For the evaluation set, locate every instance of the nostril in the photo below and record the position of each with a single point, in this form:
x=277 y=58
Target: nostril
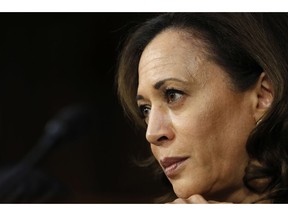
x=162 y=138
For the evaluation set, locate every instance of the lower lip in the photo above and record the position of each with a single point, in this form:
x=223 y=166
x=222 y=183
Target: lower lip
x=174 y=169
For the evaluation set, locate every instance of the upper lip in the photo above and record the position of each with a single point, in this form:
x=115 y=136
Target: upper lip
x=168 y=161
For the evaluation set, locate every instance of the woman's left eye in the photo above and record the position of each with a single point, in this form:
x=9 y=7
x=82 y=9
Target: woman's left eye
x=173 y=95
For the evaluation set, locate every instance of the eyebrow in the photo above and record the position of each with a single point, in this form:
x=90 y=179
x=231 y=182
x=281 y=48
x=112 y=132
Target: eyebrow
x=158 y=85
x=161 y=82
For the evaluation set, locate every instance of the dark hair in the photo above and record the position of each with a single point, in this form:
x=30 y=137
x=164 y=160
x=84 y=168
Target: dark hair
x=244 y=44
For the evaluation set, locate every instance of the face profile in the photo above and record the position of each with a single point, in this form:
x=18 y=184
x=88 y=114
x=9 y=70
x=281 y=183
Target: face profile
x=182 y=96
x=205 y=106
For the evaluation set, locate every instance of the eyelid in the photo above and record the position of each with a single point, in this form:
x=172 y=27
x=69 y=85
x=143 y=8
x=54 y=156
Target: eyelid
x=173 y=90
x=141 y=108
x=169 y=91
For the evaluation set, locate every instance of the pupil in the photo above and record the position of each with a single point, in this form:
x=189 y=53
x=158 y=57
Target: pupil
x=171 y=96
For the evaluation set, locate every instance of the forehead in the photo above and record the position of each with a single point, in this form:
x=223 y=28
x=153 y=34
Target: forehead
x=171 y=52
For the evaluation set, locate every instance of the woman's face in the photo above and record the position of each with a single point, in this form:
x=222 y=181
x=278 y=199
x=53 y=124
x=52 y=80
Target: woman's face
x=196 y=124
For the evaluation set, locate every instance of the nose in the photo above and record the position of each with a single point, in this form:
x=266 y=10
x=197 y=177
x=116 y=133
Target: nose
x=159 y=129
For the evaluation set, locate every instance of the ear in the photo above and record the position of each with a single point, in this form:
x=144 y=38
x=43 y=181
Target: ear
x=264 y=95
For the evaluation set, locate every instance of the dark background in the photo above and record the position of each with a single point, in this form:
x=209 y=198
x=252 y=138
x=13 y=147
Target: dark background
x=49 y=61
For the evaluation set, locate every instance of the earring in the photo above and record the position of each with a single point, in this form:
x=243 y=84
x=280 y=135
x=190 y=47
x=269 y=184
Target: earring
x=258 y=121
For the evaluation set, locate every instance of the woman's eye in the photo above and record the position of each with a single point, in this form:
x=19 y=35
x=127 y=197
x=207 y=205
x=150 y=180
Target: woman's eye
x=144 y=110
x=173 y=95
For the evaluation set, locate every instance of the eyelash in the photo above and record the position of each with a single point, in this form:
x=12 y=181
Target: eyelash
x=143 y=109
x=167 y=94
x=172 y=91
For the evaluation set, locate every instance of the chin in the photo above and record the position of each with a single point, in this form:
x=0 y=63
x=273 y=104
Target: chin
x=186 y=189
x=185 y=192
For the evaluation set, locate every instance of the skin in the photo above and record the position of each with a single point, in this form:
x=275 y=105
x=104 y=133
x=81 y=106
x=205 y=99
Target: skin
x=201 y=118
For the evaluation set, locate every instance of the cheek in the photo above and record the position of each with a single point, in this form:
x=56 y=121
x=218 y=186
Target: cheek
x=201 y=121
x=212 y=128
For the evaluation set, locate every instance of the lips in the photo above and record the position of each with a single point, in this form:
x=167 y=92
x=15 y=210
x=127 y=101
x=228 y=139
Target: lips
x=172 y=165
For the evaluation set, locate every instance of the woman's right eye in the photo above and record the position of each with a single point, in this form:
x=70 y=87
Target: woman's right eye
x=144 y=111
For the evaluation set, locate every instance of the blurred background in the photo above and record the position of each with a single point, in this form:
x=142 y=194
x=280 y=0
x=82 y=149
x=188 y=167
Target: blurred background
x=55 y=61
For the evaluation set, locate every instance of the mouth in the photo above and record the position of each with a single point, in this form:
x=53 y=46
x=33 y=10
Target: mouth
x=172 y=165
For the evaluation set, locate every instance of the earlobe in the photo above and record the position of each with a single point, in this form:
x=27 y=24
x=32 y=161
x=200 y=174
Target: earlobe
x=264 y=96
